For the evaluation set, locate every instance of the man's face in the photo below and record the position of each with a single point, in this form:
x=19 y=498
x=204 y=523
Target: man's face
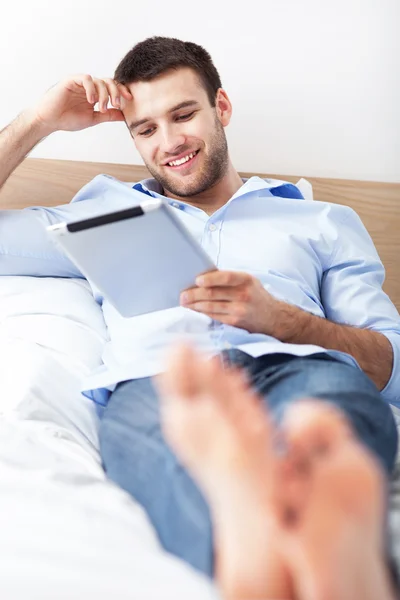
x=171 y=121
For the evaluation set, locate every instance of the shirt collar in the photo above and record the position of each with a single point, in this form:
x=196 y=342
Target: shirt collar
x=251 y=184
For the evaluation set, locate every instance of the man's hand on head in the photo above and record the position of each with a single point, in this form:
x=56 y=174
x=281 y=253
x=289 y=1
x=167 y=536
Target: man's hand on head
x=233 y=298
x=70 y=104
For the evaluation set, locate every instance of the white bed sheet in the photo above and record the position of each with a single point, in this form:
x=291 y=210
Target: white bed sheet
x=66 y=532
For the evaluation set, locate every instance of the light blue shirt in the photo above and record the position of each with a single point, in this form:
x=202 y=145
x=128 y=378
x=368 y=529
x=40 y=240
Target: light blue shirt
x=315 y=255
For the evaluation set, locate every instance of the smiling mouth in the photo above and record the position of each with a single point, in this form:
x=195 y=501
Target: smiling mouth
x=183 y=162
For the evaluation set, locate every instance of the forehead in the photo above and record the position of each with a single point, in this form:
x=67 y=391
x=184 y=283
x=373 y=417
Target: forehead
x=152 y=99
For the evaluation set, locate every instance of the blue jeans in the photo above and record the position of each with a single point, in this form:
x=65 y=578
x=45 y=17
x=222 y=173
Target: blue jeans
x=136 y=456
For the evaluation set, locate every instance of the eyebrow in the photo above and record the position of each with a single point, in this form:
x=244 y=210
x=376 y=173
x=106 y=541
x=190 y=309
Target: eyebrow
x=186 y=104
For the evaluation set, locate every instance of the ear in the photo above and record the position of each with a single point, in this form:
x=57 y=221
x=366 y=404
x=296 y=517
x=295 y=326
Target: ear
x=223 y=107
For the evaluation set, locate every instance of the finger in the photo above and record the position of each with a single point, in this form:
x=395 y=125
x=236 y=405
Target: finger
x=124 y=91
x=86 y=81
x=114 y=92
x=217 y=308
x=225 y=318
x=103 y=94
x=197 y=294
x=112 y=114
x=222 y=278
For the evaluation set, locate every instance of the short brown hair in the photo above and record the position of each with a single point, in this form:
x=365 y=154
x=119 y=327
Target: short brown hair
x=156 y=55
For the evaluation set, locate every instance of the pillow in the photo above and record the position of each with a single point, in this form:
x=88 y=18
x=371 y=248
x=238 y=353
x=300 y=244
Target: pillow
x=306 y=188
x=56 y=313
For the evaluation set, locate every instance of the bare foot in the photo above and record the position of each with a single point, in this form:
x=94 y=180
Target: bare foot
x=313 y=520
x=218 y=428
x=334 y=543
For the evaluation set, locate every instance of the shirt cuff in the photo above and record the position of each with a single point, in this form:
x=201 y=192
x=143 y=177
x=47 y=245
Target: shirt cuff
x=391 y=391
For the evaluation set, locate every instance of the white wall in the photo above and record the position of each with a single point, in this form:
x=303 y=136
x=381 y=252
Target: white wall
x=315 y=84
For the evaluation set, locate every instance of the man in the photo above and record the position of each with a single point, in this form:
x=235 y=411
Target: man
x=296 y=301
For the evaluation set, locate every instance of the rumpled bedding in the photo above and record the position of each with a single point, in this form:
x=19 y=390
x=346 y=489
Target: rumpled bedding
x=66 y=532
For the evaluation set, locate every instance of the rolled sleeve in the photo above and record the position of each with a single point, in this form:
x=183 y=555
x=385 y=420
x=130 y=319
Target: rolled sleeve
x=351 y=289
x=391 y=391
x=27 y=249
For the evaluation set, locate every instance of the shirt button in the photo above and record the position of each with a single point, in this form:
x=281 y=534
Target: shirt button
x=212 y=227
x=175 y=205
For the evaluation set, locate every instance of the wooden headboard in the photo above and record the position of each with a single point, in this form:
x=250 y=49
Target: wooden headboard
x=48 y=182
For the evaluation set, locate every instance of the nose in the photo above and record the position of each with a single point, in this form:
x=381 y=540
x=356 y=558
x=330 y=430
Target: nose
x=171 y=141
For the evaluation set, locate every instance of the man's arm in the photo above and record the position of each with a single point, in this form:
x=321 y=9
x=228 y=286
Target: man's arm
x=252 y=308
x=16 y=141
x=25 y=247
x=371 y=349
x=360 y=318
x=67 y=106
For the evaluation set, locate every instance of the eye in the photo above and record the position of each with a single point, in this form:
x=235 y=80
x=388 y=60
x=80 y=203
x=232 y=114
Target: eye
x=185 y=117
x=147 y=132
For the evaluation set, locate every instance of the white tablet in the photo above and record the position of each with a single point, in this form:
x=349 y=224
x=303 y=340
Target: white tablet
x=140 y=258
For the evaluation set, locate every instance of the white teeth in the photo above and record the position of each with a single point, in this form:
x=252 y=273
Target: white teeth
x=176 y=163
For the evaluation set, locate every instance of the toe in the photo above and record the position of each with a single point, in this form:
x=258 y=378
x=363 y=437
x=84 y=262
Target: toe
x=315 y=427
x=231 y=389
x=342 y=471
x=183 y=375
